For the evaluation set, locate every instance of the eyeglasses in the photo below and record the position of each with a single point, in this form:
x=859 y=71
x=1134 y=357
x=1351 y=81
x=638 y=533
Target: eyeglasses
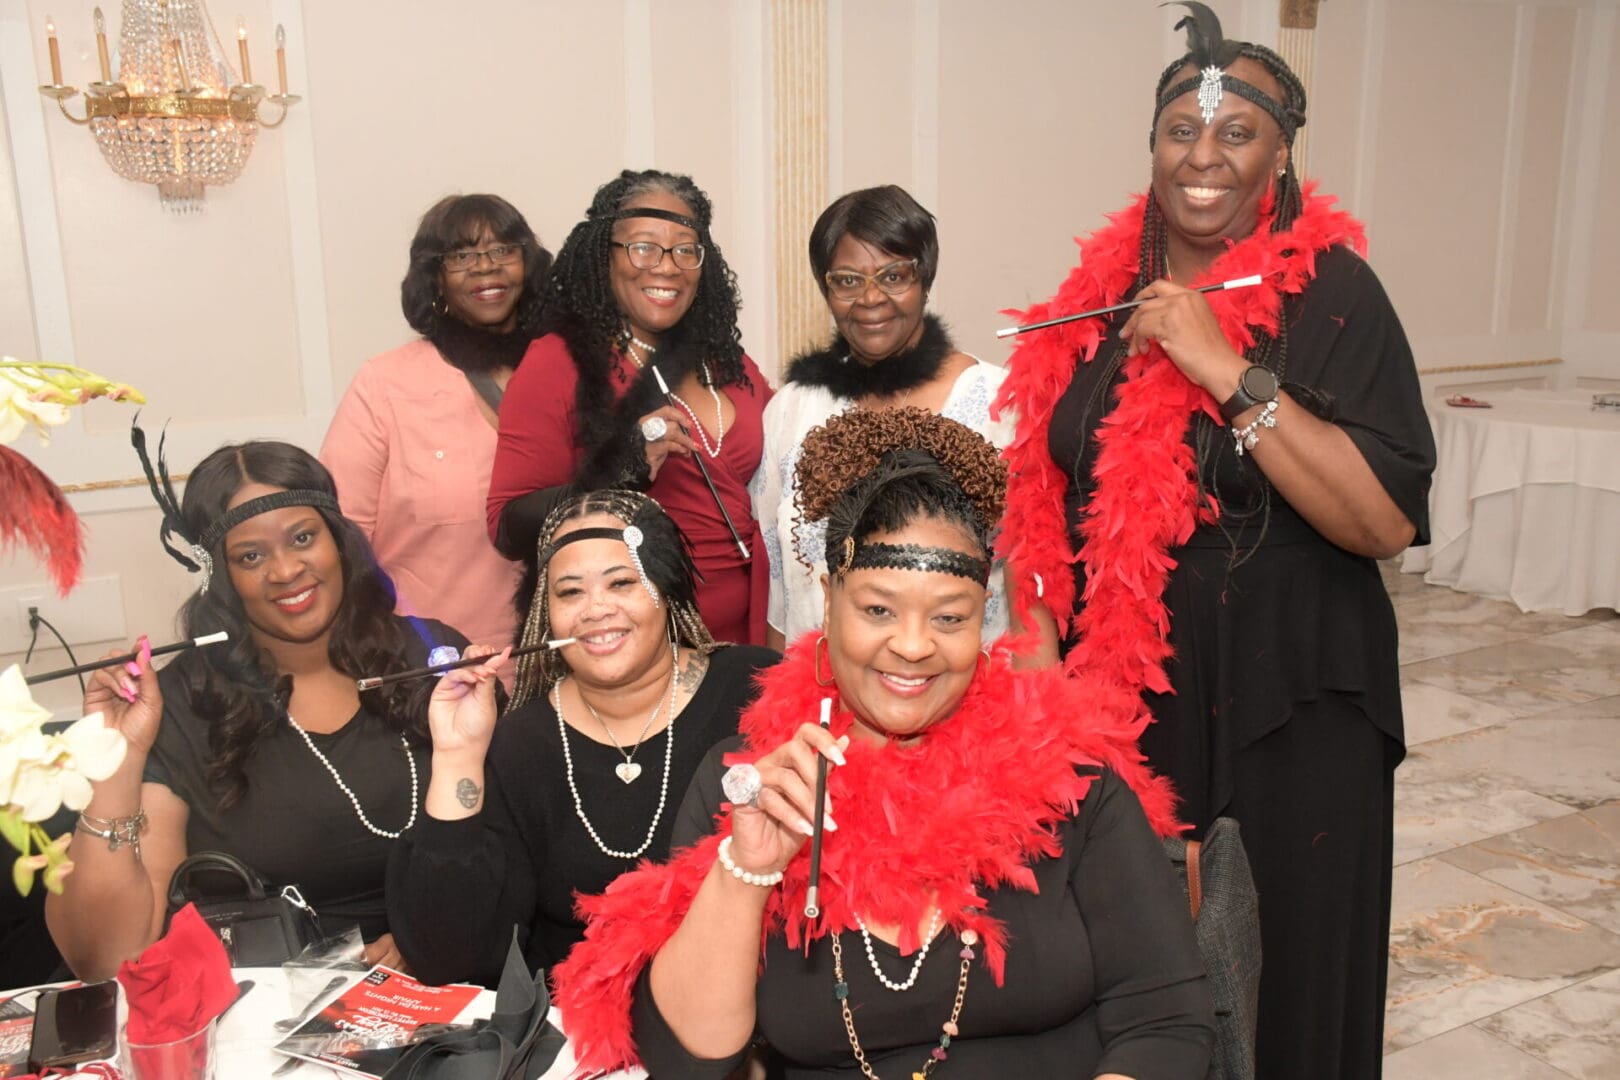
x=644 y=254
x=499 y=255
x=893 y=279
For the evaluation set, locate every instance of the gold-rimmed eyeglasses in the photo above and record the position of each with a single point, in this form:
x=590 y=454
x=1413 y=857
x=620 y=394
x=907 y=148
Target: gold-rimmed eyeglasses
x=499 y=255
x=893 y=279
x=644 y=254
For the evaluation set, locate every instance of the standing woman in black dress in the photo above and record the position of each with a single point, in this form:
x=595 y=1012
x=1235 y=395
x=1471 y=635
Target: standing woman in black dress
x=1228 y=467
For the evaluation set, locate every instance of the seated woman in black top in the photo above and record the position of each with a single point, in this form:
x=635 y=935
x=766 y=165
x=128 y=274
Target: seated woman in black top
x=263 y=747
x=582 y=776
x=965 y=798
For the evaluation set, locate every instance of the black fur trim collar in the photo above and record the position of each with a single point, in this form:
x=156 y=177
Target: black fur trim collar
x=840 y=373
x=474 y=350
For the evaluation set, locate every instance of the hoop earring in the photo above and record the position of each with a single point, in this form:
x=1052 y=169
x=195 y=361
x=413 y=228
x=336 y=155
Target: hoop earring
x=982 y=663
x=815 y=661
x=441 y=306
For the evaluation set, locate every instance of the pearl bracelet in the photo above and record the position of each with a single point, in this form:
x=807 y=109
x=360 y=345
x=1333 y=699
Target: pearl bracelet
x=762 y=880
x=1246 y=438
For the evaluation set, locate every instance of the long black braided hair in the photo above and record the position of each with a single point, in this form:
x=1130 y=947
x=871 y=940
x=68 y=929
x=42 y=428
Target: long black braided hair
x=577 y=303
x=1207 y=47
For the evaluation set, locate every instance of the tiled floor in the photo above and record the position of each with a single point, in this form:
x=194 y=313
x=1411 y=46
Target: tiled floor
x=1505 y=944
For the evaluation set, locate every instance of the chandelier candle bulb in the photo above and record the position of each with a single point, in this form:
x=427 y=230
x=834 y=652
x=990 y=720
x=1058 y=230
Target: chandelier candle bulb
x=117 y=661
x=55 y=50
x=281 y=59
x=242 y=50
x=101 y=46
x=812 y=894
x=1219 y=286
x=371 y=682
x=697 y=459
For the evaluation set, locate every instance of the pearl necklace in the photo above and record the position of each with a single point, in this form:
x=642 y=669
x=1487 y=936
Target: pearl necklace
x=916 y=965
x=713 y=450
x=643 y=346
x=663 y=788
x=355 y=802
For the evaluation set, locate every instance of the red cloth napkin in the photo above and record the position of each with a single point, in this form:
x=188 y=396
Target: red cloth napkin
x=180 y=983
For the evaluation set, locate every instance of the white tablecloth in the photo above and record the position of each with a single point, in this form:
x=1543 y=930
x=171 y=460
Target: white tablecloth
x=1526 y=502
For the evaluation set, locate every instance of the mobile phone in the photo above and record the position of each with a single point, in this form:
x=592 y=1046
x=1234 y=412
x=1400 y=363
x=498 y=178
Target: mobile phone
x=75 y=1025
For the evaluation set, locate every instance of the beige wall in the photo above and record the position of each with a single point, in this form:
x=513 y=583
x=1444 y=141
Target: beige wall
x=1481 y=169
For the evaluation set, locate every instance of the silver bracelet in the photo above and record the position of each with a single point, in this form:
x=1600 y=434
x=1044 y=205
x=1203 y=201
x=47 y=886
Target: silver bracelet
x=118 y=832
x=1248 y=437
x=762 y=880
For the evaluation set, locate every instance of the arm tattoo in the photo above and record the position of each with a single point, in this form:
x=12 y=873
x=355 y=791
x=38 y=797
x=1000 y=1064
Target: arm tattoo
x=697 y=665
x=467 y=793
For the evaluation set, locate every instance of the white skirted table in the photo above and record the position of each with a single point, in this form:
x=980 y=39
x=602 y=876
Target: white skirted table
x=1526 y=502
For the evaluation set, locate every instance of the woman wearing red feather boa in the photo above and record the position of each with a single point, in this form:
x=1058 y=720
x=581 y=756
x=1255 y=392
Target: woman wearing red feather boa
x=988 y=837
x=1202 y=488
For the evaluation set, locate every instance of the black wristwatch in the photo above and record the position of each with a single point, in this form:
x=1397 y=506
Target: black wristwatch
x=1256 y=386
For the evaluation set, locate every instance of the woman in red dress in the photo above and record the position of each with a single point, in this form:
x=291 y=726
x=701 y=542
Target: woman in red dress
x=640 y=285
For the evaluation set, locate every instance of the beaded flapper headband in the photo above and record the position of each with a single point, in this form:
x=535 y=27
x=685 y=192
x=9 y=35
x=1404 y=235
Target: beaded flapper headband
x=632 y=538
x=1208 y=48
x=195 y=552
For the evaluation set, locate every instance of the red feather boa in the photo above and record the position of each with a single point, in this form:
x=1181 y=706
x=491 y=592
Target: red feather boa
x=35 y=513
x=1146 y=500
x=966 y=808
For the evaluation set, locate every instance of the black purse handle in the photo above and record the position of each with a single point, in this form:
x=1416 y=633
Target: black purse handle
x=212 y=862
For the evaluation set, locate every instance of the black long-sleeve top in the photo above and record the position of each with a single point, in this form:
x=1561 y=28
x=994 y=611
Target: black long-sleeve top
x=1103 y=972
x=457 y=888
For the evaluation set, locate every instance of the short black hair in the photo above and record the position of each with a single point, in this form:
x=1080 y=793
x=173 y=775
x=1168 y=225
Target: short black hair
x=456 y=221
x=886 y=217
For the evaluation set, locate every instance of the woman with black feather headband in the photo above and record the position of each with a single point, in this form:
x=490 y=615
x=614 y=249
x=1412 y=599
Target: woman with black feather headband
x=640 y=284
x=262 y=747
x=1202 y=488
x=874 y=254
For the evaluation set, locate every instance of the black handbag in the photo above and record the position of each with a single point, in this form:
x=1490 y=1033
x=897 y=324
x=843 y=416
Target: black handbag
x=258 y=927
x=517 y=1042
x=1226 y=919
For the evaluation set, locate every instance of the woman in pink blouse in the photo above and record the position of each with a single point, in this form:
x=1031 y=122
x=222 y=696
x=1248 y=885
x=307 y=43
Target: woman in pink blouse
x=413 y=440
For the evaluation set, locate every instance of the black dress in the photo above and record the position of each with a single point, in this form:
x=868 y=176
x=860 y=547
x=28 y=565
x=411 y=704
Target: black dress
x=1286 y=711
x=1102 y=972
x=293 y=825
x=457 y=888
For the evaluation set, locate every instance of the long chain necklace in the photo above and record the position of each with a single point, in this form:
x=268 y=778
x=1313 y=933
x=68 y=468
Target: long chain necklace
x=712 y=449
x=629 y=770
x=663 y=789
x=948 y=1030
x=916 y=965
x=353 y=800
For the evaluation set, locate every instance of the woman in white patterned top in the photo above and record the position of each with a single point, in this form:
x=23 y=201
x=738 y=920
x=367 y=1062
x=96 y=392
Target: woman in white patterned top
x=874 y=254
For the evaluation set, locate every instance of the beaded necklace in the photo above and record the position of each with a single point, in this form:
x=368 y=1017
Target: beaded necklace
x=353 y=800
x=713 y=450
x=948 y=1030
x=663 y=787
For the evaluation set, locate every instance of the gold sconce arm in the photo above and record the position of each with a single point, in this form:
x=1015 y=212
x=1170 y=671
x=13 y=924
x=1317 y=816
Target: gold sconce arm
x=61 y=94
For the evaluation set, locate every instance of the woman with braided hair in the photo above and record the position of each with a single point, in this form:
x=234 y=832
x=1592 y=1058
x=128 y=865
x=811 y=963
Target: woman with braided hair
x=1203 y=487
x=582 y=775
x=992 y=899
x=640 y=285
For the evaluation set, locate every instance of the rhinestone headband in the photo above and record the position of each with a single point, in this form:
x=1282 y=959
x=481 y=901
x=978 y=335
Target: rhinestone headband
x=632 y=538
x=934 y=560
x=1211 y=83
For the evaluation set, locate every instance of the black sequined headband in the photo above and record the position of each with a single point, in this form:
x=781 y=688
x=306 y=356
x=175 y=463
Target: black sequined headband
x=1211 y=81
x=929 y=560
x=276 y=500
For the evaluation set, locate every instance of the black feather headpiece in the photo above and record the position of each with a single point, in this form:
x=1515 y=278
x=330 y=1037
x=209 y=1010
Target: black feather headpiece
x=188 y=552
x=1211 y=52
x=1206 y=44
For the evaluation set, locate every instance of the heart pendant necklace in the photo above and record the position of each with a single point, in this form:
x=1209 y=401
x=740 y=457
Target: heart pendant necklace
x=628 y=770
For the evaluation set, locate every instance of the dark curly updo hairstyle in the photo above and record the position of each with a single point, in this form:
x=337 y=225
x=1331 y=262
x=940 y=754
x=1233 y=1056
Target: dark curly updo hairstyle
x=665 y=555
x=879 y=470
x=886 y=217
x=457 y=221
x=236 y=684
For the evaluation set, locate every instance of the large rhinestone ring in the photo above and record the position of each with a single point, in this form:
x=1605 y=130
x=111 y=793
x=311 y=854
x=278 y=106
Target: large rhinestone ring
x=654 y=428
x=741 y=785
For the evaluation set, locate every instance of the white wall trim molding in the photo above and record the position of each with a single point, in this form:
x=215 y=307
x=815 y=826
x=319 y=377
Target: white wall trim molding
x=751 y=92
x=925 y=68
x=1372 y=66
x=639 y=99
x=836 y=185
x=1596 y=29
x=1512 y=166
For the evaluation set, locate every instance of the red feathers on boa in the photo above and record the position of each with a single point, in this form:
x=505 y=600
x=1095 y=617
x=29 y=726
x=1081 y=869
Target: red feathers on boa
x=967 y=808
x=1146 y=500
